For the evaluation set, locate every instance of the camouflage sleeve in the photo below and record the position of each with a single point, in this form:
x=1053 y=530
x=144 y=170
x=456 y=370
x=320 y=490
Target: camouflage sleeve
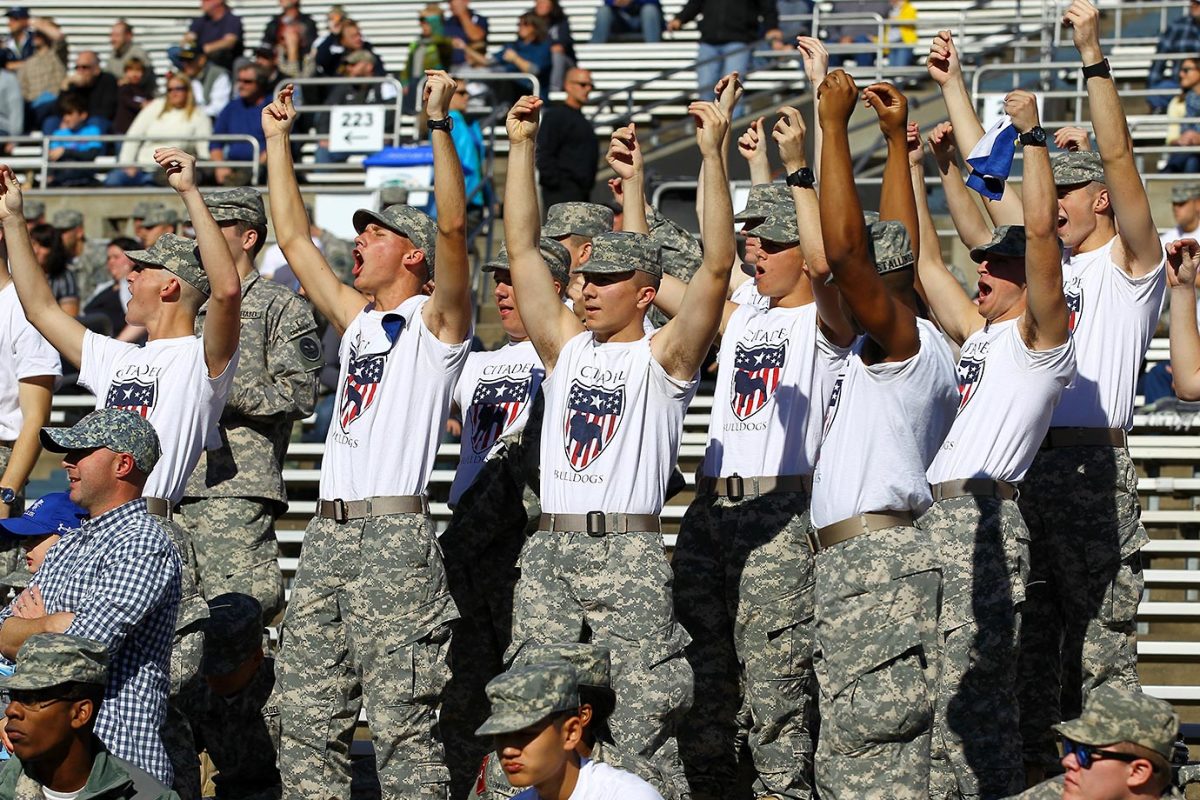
x=294 y=360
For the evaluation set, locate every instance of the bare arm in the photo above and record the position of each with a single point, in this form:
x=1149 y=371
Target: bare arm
x=625 y=158
x=1183 y=256
x=448 y=314
x=728 y=91
x=338 y=302
x=973 y=229
x=16 y=630
x=549 y=323
x=752 y=147
x=896 y=199
x=816 y=68
x=33 y=397
x=1139 y=245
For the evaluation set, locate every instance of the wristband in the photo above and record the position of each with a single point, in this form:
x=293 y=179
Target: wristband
x=802 y=177
x=1098 y=70
x=444 y=124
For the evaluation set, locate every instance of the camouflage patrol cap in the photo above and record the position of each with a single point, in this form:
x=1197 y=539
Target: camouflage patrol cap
x=178 y=255
x=411 y=223
x=1183 y=192
x=890 y=246
x=524 y=696
x=581 y=219
x=591 y=662
x=1008 y=241
x=34 y=209
x=66 y=218
x=243 y=203
x=232 y=634
x=681 y=253
x=1071 y=169
x=623 y=251
x=870 y=217
x=1114 y=714
x=119 y=430
x=554 y=253
x=764 y=200
x=141 y=209
x=780 y=227
x=52 y=659
x=160 y=215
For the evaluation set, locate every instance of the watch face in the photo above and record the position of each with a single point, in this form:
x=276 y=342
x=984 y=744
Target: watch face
x=7 y=496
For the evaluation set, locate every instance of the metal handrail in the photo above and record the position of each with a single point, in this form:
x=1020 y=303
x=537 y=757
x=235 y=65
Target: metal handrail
x=481 y=76
x=1121 y=8
x=47 y=166
x=339 y=81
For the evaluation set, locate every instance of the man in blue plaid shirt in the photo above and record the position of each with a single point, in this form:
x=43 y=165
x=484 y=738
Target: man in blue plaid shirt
x=1180 y=36
x=115 y=580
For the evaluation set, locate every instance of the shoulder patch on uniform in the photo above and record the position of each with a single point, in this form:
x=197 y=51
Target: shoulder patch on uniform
x=310 y=350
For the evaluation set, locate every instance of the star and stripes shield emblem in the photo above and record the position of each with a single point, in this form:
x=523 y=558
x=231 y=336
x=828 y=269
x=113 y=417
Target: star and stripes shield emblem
x=835 y=398
x=970 y=373
x=756 y=372
x=593 y=416
x=362 y=384
x=495 y=405
x=132 y=395
x=1074 y=298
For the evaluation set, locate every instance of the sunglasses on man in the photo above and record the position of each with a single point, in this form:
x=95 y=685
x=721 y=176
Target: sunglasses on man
x=1085 y=754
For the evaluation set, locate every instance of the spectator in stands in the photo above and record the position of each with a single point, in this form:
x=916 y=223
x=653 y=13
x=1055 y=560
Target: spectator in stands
x=124 y=49
x=12 y=104
x=530 y=53
x=628 y=16
x=131 y=95
x=727 y=34
x=794 y=8
x=1185 y=104
x=472 y=152
x=465 y=29
x=431 y=50
x=243 y=115
x=41 y=75
x=52 y=257
x=97 y=88
x=332 y=50
x=43 y=524
x=289 y=58
x=211 y=85
x=85 y=259
x=334 y=18
x=359 y=64
x=175 y=118
x=562 y=45
x=864 y=31
x=567 y=153
x=19 y=42
x=110 y=300
x=901 y=33
x=217 y=33
x=290 y=16
x=74 y=140
x=1181 y=35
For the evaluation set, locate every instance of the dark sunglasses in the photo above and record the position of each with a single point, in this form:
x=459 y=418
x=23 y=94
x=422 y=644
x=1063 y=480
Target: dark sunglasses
x=1085 y=754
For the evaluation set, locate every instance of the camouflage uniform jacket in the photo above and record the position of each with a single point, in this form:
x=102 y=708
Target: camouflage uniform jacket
x=339 y=254
x=275 y=384
x=111 y=778
x=241 y=735
x=91 y=269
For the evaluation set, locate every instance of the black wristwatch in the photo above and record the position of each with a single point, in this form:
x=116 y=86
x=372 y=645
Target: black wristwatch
x=1034 y=137
x=802 y=177
x=1098 y=70
x=444 y=124
x=8 y=496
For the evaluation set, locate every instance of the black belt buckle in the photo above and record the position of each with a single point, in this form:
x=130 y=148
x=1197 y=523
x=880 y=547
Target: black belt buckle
x=734 y=488
x=340 y=514
x=595 y=523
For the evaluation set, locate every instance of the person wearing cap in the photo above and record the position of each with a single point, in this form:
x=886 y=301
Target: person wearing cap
x=40 y=75
x=1016 y=358
x=236 y=491
x=212 y=86
x=536 y=729
x=877 y=580
x=1159 y=381
x=364 y=601
x=157 y=222
x=241 y=115
x=1079 y=497
x=116 y=580
x=575 y=225
x=40 y=528
x=1185 y=207
x=596 y=703
x=54 y=702
x=494 y=503
x=35 y=211
x=232 y=713
x=1120 y=747
x=596 y=562
x=105 y=310
x=87 y=259
x=19 y=42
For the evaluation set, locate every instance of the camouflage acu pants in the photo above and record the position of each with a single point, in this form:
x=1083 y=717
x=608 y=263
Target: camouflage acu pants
x=1085 y=531
x=369 y=616
x=875 y=658
x=614 y=591
x=744 y=591
x=236 y=549
x=983 y=549
x=11 y=558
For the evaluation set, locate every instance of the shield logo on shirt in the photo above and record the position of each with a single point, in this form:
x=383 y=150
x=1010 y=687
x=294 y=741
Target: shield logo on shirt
x=133 y=395
x=1074 y=296
x=361 y=386
x=495 y=405
x=756 y=373
x=970 y=373
x=593 y=416
x=835 y=398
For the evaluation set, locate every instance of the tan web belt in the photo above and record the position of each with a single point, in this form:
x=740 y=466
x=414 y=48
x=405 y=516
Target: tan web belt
x=846 y=529
x=973 y=487
x=598 y=523
x=735 y=487
x=345 y=510
x=158 y=507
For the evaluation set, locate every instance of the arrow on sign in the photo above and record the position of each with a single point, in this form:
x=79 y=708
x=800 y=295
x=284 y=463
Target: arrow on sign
x=351 y=137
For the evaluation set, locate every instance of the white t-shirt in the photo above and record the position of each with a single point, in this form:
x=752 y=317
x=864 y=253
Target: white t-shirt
x=884 y=426
x=613 y=422
x=1007 y=393
x=1113 y=317
x=746 y=294
x=776 y=373
x=1176 y=233
x=273 y=259
x=393 y=398
x=26 y=355
x=167 y=382
x=50 y=794
x=601 y=782
x=495 y=393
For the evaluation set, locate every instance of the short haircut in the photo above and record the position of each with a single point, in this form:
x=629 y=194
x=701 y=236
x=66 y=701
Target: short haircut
x=243 y=226
x=71 y=101
x=125 y=24
x=125 y=243
x=134 y=61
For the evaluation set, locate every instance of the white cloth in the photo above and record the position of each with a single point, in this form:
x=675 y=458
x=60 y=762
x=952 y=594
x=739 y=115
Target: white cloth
x=167 y=382
x=393 y=399
x=26 y=355
x=884 y=426
x=1006 y=395
x=273 y=259
x=50 y=794
x=1113 y=317
x=222 y=90
x=495 y=393
x=776 y=373
x=1176 y=233
x=599 y=781
x=613 y=423
x=170 y=127
x=746 y=293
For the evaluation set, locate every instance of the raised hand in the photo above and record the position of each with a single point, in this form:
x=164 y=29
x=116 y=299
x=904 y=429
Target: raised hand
x=10 y=193
x=729 y=91
x=618 y=190
x=624 y=153
x=1072 y=139
x=916 y=150
x=891 y=105
x=1083 y=19
x=711 y=126
x=750 y=144
x=439 y=91
x=837 y=95
x=816 y=58
x=1183 y=256
x=180 y=168
x=1022 y=107
x=789 y=133
x=279 y=116
x=522 y=119
x=943 y=62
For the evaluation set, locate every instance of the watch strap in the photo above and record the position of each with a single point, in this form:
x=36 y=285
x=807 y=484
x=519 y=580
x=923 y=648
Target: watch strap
x=1034 y=137
x=444 y=124
x=1100 y=69
x=803 y=177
